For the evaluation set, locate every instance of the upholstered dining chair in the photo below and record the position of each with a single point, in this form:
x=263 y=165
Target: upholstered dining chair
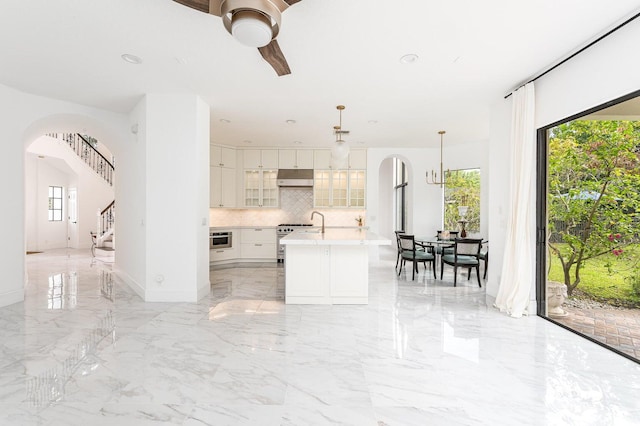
x=415 y=253
x=445 y=235
x=484 y=256
x=399 y=247
x=466 y=254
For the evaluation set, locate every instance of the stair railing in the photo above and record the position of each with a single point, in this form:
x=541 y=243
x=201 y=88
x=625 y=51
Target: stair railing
x=88 y=153
x=106 y=220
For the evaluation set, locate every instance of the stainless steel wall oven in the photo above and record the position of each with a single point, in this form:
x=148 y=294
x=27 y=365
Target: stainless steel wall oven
x=218 y=240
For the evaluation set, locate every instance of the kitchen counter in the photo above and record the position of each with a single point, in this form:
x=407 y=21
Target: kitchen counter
x=329 y=268
x=334 y=236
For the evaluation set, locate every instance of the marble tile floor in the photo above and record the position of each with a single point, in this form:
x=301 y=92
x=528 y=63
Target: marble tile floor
x=83 y=349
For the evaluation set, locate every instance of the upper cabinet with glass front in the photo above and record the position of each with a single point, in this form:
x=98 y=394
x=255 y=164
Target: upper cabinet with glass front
x=343 y=187
x=260 y=188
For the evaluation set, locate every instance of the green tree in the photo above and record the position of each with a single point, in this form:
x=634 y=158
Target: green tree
x=593 y=192
x=462 y=188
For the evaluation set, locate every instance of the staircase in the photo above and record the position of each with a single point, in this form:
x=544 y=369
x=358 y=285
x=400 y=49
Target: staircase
x=85 y=150
x=103 y=240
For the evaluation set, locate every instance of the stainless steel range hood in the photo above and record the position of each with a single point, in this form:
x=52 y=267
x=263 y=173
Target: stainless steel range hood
x=295 y=177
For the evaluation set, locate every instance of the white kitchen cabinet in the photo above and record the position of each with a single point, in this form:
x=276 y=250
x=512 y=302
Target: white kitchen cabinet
x=357 y=188
x=222 y=187
x=260 y=158
x=217 y=255
x=295 y=159
x=322 y=159
x=260 y=188
x=339 y=188
x=221 y=156
x=227 y=253
x=358 y=159
x=258 y=243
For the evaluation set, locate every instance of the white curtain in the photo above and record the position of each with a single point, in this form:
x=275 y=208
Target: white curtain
x=518 y=269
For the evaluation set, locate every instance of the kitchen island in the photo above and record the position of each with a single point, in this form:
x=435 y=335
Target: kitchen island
x=329 y=268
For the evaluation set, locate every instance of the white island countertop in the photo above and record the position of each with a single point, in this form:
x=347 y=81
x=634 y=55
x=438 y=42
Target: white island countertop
x=335 y=237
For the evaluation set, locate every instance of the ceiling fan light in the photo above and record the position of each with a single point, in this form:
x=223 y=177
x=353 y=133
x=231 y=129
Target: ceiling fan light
x=251 y=28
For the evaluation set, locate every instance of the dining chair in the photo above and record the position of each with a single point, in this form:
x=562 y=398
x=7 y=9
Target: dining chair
x=442 y=235
x=466 y=254
x=399 y=247
x=484 y=256
x=415 y=253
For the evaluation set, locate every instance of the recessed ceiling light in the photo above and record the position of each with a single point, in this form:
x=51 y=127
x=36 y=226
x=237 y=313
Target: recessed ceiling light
x=132 y=59
x=181 y=61
x=409 y=58
x=40 y=156
x=297 y=142
x=247 y=142
x=291 y=121
x=373 y=121
x=360 y=143
x=225 y=121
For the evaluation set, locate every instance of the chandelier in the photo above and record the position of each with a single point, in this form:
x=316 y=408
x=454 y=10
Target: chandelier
x=340 y=150
x=434 y=175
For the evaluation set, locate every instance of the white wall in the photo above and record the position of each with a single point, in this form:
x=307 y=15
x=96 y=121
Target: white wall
x=41 y=233
x=603 y=72
x=177 y=198
x=386 y=216
x=162 y=208
x=25 y=117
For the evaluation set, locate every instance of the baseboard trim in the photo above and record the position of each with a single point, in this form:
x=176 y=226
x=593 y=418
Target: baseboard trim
x=11 y=297
x=204 y=290
x=128 y=280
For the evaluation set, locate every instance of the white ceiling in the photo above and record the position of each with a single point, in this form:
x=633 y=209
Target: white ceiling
x=471 y=53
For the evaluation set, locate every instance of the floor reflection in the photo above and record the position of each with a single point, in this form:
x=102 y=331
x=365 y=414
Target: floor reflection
x=49 y=386
x=63 y=291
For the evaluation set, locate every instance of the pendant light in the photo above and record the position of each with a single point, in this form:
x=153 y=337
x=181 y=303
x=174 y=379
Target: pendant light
x=340 y=150
x=434 y=175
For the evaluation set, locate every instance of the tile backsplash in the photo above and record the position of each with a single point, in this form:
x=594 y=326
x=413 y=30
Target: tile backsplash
x=296 y=205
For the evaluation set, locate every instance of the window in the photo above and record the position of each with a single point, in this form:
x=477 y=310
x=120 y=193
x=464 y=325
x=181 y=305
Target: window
x=55 y=203
x=462 y=200
x=588 y=223
x=400 y=187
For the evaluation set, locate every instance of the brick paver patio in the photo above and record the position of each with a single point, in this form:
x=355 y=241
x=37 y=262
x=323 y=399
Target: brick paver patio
x=618 y=328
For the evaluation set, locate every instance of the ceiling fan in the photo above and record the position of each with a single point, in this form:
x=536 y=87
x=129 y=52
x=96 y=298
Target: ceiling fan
x=255 y=23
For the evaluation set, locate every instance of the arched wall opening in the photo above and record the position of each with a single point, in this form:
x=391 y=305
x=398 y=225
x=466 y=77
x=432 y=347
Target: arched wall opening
x=51 y=163
x=387 y=201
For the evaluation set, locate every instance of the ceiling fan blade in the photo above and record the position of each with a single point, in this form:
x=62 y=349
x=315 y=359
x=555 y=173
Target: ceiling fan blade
x=272 y=54
x=206 y=6
x=291 y=2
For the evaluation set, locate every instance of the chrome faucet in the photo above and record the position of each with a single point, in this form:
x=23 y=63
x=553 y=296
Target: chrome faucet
x=315 y=212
